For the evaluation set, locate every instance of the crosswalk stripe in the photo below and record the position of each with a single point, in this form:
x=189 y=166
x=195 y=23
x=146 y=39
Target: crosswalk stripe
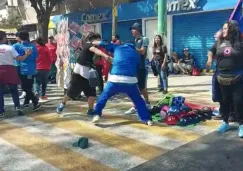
x=53 y=154
x=159 y=130
x=133 y=133
x=13 y=158
x=125 y=144
x=198 y=130
x=211 y=124
x=106 y=155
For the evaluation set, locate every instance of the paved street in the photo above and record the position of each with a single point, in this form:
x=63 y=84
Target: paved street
x=43 y=141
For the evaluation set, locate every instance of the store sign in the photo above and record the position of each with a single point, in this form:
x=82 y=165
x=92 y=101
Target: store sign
x=182 y=5
x=92 y=18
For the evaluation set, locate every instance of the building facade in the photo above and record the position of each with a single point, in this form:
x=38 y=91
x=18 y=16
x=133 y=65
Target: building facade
x=190 y=23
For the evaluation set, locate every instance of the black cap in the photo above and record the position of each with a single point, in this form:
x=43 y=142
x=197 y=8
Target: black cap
x=136 y=26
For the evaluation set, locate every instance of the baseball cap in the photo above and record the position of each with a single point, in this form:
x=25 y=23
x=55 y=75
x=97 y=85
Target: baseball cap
x=171 y=120
x=186 y=49
x=136 y=26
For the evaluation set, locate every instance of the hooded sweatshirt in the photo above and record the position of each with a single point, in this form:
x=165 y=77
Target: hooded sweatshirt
x=125 y=63
x=44 y=59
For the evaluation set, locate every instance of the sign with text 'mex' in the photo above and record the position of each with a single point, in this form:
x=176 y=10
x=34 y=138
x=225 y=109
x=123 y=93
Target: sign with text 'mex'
x=96 y=17
x=183 y=6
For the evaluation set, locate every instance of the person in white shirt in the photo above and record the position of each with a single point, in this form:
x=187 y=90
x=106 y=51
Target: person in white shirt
x=8 y=73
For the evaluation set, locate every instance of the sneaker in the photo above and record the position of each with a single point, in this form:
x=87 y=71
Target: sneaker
x=150 y=123
x=132 y=110
x=60 y=108
x=26 y=106
x=2 y=115
x=90 y=112
x=22 y=95
x=223 y=127
x=241 y=131
x=36 y=107
x=96 y=119
x=19 y=111
x=161 y=90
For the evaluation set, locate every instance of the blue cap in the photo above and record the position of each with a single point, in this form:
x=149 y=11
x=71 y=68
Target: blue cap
x=136 y=26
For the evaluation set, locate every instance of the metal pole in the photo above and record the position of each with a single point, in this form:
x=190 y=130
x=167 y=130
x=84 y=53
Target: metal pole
x=114 y=17
x=162 y=17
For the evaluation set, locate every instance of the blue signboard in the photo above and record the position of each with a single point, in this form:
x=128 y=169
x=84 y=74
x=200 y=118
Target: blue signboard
x=148 y=8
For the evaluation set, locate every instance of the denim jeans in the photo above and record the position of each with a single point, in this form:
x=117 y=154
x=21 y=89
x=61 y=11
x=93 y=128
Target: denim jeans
x=15 y=95
x=41 y=81
x=162 y=76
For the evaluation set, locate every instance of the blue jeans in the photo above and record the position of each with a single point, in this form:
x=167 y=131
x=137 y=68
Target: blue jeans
x=131 y=90
x=15 y=96
x=162 y=77
x=41 y=80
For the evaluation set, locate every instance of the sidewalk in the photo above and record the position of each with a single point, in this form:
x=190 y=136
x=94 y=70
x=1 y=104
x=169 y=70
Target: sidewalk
x=196 y=89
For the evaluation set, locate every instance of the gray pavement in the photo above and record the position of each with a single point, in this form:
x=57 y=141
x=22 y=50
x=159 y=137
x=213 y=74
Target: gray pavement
x=213 y=152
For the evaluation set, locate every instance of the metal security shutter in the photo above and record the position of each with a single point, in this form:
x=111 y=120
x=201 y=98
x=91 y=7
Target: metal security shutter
x=123 y=30
x=196 y=32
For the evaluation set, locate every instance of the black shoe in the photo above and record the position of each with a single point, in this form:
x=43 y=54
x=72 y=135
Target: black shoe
x=26 y=106
x=165 y=92
x=36 y=107
x=161 y=90
x=2 y=115
x=19 y=111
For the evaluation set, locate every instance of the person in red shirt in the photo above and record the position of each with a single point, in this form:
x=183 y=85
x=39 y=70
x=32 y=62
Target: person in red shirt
x=115 y=39
x=43 y=66
x=52 y=46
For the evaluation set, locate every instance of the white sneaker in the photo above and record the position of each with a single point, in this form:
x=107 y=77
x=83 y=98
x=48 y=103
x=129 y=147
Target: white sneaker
x=96 y=119
x=132 y=110
x=23 y=95
x=150 y=123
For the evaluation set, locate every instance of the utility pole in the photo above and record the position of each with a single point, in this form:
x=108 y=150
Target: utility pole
x=114 y=17
x=162 y=17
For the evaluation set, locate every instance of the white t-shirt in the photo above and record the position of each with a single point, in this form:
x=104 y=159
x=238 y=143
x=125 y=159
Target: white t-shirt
x=122 y=79
x=82 y=70
x=7 y=54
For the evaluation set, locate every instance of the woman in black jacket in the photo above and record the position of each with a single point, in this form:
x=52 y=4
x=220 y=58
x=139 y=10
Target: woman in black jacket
x=229 y=52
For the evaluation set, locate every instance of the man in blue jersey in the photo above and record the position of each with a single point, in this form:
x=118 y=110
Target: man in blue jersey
x=28 y=69
x=123 y=79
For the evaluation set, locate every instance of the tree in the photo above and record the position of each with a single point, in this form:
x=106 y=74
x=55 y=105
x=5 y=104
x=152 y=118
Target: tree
x=43 y=10
x=12 y=21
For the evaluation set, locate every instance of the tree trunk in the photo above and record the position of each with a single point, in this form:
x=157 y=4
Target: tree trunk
x=43 y=27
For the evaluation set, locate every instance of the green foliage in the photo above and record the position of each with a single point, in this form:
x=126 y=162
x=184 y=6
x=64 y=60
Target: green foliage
x=12 y=21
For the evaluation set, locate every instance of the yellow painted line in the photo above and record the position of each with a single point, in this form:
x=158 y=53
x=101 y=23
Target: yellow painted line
x=53 y=154
x=105 y=137
x=158 y=129
x=211 y=124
